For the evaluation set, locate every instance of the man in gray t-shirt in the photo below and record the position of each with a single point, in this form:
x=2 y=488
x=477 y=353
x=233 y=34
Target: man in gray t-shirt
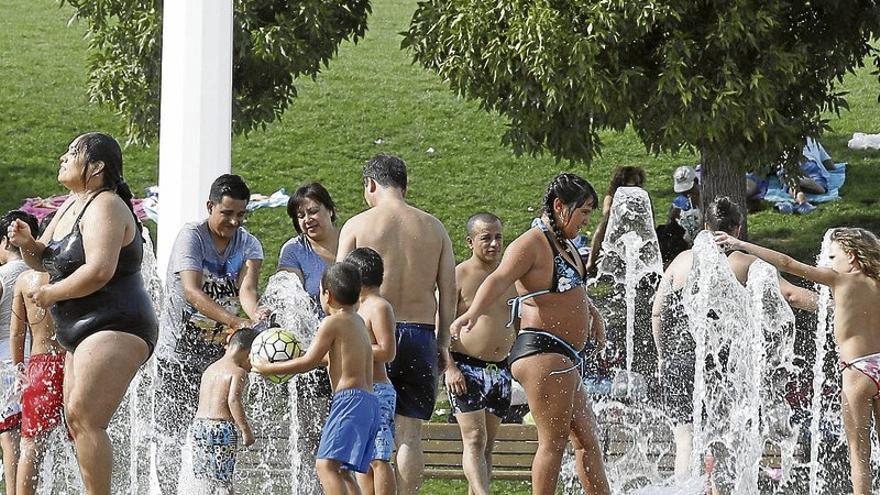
x=190 y=336
x=213 y=273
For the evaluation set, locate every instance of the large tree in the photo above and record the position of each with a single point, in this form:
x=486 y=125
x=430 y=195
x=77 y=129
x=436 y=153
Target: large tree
x=274 y=43
x=742 y=82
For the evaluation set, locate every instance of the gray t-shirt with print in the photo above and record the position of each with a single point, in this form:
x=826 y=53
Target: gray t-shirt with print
x=188 y=337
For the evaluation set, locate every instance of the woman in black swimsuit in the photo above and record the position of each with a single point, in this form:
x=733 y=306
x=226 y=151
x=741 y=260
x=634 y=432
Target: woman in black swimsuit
x=557 y=321
x=92 y=251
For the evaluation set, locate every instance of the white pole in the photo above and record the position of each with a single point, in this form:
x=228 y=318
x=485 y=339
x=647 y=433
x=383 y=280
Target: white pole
x=195 y=137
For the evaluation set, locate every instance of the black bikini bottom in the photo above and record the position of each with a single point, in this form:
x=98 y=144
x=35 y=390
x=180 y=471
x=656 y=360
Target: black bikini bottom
x=531 y=341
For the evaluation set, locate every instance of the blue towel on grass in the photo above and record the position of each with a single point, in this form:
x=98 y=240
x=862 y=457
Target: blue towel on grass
x=777 y=193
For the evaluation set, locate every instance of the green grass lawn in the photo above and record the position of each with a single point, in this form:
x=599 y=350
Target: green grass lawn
x=370 y=92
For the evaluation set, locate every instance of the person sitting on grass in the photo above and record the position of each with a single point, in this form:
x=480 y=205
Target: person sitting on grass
x=349 y=437
x=686 y=208
x=478 y=379
x=815 y=166
x=854 y=279
x=220 y=417
x=379 y=318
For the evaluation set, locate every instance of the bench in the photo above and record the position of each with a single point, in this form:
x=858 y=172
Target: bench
x=515 y=447
x=516 y=444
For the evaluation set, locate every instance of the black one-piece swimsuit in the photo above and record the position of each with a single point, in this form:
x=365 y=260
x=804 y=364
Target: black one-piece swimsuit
x=123 y=304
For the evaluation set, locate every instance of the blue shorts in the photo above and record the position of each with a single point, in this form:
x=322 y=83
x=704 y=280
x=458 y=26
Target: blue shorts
x=350 y=432
x=488 y=386
x=385 y=437
x=414 y=371
x=213 y=450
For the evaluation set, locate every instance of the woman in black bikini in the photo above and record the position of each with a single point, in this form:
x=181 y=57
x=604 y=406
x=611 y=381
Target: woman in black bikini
x=92 y=251
x=557 y=321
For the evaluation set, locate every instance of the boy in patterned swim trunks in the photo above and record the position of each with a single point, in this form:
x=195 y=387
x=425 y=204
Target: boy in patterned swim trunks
x=220 y=416
x=349 y=437
x=41 y=399
x=379 y=318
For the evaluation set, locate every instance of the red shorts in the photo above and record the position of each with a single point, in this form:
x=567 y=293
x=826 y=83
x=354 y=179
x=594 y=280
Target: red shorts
x=43 y=398
x=10 y=423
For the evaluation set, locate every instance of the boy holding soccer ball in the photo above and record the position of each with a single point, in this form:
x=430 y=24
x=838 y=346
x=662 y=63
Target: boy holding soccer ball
x=348 y=440
x=220 y=417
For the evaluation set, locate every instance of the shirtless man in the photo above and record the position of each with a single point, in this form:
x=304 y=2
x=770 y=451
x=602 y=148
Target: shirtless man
x=478 y=378
x=418 y=258
x=41 y=399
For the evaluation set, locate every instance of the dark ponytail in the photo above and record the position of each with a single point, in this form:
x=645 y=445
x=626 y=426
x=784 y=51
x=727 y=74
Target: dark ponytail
x=725 y=215
x=574 y=191
x=99 y=147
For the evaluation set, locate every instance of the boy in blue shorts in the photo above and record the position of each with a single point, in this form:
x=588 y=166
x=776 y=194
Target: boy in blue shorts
x=379 y=318
x=349 y=437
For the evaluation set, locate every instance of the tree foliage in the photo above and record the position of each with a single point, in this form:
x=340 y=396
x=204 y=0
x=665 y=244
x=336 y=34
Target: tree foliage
x=274 y=43
x=742 y=79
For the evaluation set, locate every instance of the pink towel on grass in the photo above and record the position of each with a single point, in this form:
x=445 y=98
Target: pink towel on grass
x=41 y=208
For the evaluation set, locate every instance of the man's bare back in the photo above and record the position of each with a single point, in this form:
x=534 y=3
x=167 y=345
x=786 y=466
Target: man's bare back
x=412 y=244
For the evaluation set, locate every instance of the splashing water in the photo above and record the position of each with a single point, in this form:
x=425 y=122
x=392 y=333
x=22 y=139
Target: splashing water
x=272 y=465
x=726 y=389
x=773 y=319
x=743 y=341
x=631 y=255
x=827 y=462
x=292 y=306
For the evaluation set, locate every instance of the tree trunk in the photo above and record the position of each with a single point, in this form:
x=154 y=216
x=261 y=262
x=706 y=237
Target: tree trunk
x=721 y=176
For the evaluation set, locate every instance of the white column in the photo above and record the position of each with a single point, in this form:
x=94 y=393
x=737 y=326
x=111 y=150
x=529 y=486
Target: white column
x=196 y=116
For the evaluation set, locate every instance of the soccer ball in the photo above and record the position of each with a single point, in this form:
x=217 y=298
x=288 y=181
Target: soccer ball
x=276 y=344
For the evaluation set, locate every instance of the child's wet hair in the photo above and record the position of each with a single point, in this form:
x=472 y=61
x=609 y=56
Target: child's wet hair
x=725 y=215
x=863 y=245
x=343 y=280
x=25 y=217
x=243 y=338
x=369 y=264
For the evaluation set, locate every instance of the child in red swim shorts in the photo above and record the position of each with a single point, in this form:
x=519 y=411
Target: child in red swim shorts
x=42 y=398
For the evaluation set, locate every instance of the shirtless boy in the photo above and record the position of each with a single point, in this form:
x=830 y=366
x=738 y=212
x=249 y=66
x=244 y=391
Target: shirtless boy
x=478 y=379
x=379 y=318
x=220 y=417
x=41 y=400
x=420 y=285
x=349 y=437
